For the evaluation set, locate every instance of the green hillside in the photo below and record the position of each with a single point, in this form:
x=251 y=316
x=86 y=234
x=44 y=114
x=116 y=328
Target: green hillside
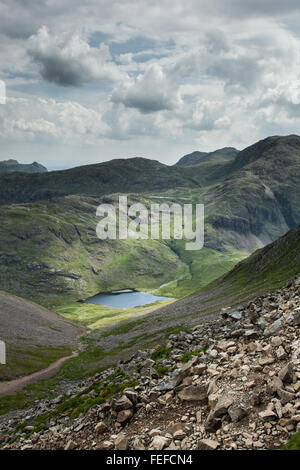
x=49 y=251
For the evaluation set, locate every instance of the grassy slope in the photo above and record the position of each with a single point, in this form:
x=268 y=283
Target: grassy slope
x=50 y=253
x=98 y=316
x=34 y=336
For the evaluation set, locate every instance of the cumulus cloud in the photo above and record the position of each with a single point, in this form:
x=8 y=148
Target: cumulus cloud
x=198 y=73
x=68 y=60
x=150 y=92
x=48 y=119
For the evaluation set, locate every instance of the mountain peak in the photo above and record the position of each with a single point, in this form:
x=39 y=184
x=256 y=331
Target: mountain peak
x=216 y=156
x=281 y=148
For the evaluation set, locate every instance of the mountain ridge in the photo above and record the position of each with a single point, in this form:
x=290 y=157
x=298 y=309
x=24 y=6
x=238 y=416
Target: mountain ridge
x=245 y=209
x=12 y=166
x=217 y=156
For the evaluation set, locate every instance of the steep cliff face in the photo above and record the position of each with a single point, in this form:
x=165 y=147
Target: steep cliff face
x=275 y=161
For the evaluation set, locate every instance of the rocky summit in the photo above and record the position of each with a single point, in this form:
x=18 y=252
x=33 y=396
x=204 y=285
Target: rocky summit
x=230 y=383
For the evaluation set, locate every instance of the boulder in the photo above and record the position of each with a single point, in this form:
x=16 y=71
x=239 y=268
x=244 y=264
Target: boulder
x=138 y=444
x=172 y=382
x=274 y=385
x=237 y=413
x=267 y=415
x=222 y=406
x=285 y=396
x=70 y=445
x=107 y=445
x=124 y=415
x=120 y=404
x=212 y=424
x=159 y=443
x=121 y=442
x=193 y=393
x=274 y=328
x=207 y=444
x=286 y=374
x=101 y=427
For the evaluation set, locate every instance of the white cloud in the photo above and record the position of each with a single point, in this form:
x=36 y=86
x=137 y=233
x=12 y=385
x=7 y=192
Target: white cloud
x=46 y=119
x=209 y=74
x=150 y=92
x=68 y=60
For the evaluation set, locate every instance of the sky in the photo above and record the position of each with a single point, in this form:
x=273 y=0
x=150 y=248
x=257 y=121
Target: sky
x=91 y=80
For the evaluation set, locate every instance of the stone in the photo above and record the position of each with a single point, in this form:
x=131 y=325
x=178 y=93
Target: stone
x=208 y=444
x=199 y=417
x=285 y=396
x=155 y=432
x=280 y=353
x=236 y=413
x=274 y=385
x=121 y=442
x=159 y=443
x=193 y=393
x=213 y=353
x=222 y=406
x=274 y=328
x=101 y=427
x=256 y=399
x=186 y=368
x=179 y=435
x=276 y=341
x=107 y=445
x=296 y=318
x=138 y=444
x=250 y=334
x=167 y=385
x=200 y=369
x=212 y=424
x=132 y=396
x=122 y=403
x=236 y=315
x=265 y=361
x=70 y=445
x=267 y=415
x=286 y=374
x=173 y=427
x=124 y=415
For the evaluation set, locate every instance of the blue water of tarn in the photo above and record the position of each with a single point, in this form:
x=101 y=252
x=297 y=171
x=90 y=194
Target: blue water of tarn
x=124 y=300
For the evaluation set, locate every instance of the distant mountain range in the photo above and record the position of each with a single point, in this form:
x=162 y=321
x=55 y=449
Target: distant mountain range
x=11 y=166
x=49 y=251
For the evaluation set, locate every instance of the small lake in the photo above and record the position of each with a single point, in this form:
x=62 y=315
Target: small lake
x=124 y=300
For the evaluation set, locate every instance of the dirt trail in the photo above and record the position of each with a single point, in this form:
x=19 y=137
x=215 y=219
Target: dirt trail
x=13 y=386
